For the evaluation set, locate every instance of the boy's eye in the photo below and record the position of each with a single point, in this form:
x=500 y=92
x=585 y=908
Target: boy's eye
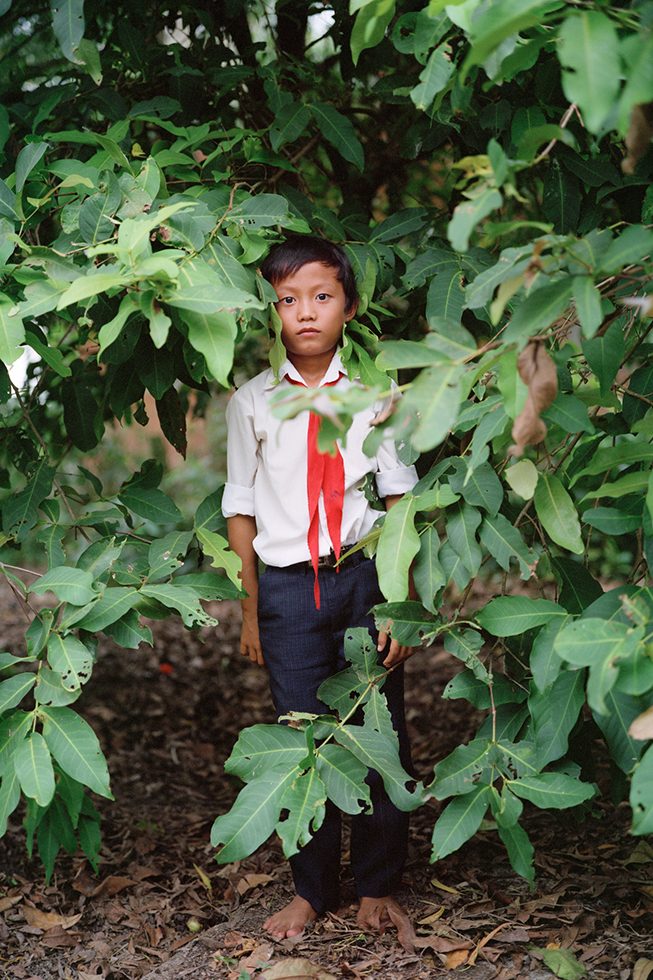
x=287 y=300
x=322 y=296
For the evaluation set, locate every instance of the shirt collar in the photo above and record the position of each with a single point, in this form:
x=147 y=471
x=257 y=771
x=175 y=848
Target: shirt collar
x=288 y=369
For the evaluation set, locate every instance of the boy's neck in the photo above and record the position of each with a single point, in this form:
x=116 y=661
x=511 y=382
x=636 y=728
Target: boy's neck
x=312 y=368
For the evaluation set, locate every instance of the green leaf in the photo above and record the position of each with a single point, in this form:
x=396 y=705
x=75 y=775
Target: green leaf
x=460 y=771
x=468 y=214
x=68 y=25
x=112 y=605
x=217 y=548
x=304 y=799
x=150 y=503
x=12 y=333
x=459 y=821
x=184 y=600
x=520 y=850
x=539 y=310
x=434 y=78
x=462 y=524
x=562 y=963
x=201 y=290
x=33 y=766
x=75 y=747
x=381 y=752
x=587 y=299
x=465 y=645
x=503 y=541
x=641 y=794
x=625 y=453
x=166 y=554
x=552 y=790
x=428 y=575
x=8 y=203
x=289 y=123
x=480 y=486
x=609 y=520
x=637 y=53
x=20 y=511
x=51 y=355
x=14 y=689
x=27 y=159
x=570 y=413
x=604 y=355
x=436 y=396
x=630 y=483
x=577 y=587
x=340 y=132
x=71 y=659
x=263 y=748
x=512 y=615
x=633 y=245
x=90 y=285
x=252 y=818
x=399 y=224
x=68 y=584
x=128 y=632
x=370 y=25
x=522 y=477
x=397 y=354
x=9 y=798
x=261 y=211
x=344 y=778
x=407 y=622
x=503 y=20
x=213 y=335
x=555 y=711
x=13 y=729
x=398 y=545
x=588 y=51
x=557 y=513
x=89 y=56
x=50 y=689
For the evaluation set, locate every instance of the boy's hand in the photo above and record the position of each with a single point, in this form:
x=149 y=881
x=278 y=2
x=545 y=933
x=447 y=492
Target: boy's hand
x=250 y=644
x=397 y=653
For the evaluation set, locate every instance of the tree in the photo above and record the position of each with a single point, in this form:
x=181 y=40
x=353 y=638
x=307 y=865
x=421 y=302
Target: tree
x=471 y=157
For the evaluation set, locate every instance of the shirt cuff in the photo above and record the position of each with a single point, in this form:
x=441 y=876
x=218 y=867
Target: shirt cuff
x=400 y=480
x=237 y=500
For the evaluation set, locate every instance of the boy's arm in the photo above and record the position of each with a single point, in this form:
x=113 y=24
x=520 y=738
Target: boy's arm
x=397 y=653
x=241 y=531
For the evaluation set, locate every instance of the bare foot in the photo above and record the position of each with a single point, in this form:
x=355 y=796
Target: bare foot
x=379 y=913
x=292 y=918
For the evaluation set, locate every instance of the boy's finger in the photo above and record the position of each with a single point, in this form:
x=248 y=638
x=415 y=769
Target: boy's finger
x=383 y=639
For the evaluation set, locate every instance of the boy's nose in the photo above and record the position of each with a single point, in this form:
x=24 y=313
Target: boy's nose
x=305 y=311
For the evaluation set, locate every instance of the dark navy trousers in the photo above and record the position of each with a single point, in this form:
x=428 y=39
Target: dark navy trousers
x=302 y=646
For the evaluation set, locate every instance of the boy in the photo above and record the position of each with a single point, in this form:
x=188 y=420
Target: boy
x=295 y=509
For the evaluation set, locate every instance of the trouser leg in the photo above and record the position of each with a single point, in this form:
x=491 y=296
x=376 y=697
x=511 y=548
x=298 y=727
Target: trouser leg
x=302 y=647
x=300 y=652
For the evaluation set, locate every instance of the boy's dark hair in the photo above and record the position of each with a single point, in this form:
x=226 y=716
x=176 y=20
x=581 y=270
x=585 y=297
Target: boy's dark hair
x=286 y=258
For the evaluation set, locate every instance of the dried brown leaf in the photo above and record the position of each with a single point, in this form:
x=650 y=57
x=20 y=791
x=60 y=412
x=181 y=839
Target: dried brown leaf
x=643 y=969
x=405 y=931
x=297 y=968
x=455 y=959
x=639 y=135
x=252 y=881
x=642 y=727
x=538 y=372
x=9 y=901
x=47 y=920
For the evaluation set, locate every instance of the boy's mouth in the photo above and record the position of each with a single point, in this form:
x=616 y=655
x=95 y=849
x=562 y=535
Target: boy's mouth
x=307 y=330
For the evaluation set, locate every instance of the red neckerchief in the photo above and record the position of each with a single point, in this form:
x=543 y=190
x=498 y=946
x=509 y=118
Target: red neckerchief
x=325 y=475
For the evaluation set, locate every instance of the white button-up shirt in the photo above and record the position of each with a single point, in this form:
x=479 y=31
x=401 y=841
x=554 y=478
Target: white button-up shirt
x=267 y=465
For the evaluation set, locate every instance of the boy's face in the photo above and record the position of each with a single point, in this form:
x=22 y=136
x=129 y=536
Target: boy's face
x=312 y=307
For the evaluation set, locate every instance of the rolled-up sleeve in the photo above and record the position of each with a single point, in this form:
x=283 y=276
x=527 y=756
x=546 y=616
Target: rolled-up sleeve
x=242 y=457
x=392 y=477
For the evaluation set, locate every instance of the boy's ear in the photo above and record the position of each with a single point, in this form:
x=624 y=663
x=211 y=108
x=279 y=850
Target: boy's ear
x=351 y=312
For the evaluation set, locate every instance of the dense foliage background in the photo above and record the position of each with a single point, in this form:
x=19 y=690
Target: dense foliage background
x=487 y=165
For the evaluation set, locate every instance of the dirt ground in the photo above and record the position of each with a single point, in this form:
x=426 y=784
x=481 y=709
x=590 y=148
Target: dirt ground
x=167 y=718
